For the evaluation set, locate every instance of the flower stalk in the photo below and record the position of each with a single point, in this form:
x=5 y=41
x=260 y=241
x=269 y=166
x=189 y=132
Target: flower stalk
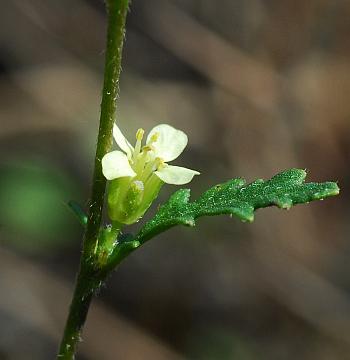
x=93 y=266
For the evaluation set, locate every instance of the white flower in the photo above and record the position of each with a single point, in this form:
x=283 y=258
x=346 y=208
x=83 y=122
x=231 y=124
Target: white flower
x=163 y=144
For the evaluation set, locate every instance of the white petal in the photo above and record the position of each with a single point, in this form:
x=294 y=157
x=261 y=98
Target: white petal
x=122 y=142
x=170 y=143
x=116 y=165
x=176 y=175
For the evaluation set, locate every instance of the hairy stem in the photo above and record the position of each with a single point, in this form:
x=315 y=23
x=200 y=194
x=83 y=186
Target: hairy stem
x=91 y=272
x=83 y=293
x=116 y=10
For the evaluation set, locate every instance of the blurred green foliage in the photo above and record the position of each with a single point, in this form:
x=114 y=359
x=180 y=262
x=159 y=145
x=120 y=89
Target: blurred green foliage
x=220 y=344
x=33 y=214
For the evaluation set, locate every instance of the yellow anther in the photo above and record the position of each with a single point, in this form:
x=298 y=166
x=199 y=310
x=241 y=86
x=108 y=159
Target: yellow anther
x=153 y=138
x=139 y=134
x=159 y=163
x=148 y=148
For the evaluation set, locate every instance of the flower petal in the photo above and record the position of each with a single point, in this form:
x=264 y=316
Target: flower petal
x=170 y=142
x=122 y=142
x=176 y=175
x=115 y=165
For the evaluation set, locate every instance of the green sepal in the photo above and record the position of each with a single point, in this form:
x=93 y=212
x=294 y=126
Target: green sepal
x=236 y=198
x=128 y=199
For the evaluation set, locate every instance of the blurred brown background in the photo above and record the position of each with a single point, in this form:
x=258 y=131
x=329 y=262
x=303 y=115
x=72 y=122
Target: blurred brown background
x=259 y=86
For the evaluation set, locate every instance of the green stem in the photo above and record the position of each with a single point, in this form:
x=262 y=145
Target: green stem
x=92 y=273
x=84 y=290
x=116 y=10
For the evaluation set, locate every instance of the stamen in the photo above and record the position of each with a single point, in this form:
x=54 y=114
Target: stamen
x=153 y=138
x=159 y=163
x=139 y=134
x=148 y=170
x=141 y=161
x=148 y=148
x=150 y=167
x=139 y=137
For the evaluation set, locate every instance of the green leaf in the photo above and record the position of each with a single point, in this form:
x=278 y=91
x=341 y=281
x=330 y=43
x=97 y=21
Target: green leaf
x=237 y=198
x=78 y=212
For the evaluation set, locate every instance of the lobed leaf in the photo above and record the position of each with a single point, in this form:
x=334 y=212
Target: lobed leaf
x=237 y=198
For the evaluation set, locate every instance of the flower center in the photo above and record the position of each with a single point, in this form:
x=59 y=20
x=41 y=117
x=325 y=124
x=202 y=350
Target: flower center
x=143 y=160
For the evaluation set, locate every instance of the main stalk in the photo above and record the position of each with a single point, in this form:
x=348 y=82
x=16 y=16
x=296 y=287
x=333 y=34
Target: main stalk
x=91 y=272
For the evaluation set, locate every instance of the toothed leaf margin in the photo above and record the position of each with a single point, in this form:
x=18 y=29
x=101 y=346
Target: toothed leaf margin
x=237 y=198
